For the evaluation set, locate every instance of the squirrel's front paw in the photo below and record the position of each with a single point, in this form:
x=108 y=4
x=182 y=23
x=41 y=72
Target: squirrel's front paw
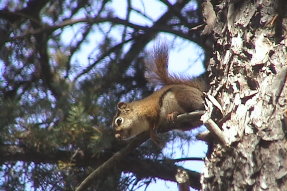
x=171 y=117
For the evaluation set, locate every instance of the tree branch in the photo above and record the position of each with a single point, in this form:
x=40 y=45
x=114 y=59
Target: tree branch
x=105 y=54
x=111 y=162
x=90 y=20
x=142 y=168
x=145 y=168
x=18 y=153
x=184 y=159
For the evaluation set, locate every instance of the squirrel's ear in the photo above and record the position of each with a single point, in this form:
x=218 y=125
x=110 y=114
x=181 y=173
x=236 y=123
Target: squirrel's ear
x=122 y=105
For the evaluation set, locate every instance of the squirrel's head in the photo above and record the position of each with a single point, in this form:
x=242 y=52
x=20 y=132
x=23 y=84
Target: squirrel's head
x=128 y=122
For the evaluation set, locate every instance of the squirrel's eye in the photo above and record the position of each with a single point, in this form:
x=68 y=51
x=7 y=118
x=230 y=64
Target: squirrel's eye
x=119 y=121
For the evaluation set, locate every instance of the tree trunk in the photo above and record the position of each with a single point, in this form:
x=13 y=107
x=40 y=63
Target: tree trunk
x=248 y=71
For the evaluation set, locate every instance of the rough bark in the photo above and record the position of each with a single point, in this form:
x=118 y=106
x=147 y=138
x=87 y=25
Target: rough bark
x=248 y=71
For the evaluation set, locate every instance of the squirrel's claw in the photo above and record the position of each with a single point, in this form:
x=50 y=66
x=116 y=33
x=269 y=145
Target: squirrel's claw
x=171 y=117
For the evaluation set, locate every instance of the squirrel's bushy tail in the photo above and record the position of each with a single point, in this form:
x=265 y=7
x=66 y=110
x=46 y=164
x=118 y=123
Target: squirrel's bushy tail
x=157 y=71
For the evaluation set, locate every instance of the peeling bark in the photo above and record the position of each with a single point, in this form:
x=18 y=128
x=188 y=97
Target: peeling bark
x=249 y=69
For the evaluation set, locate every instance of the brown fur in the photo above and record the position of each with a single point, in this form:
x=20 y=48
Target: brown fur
x=178 y=95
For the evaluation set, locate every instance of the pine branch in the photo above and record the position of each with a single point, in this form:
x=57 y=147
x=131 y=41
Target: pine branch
x=143 y=168
x=110 y=163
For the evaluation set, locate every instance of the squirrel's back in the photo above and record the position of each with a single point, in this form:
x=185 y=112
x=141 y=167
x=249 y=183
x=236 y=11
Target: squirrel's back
x=157 y=71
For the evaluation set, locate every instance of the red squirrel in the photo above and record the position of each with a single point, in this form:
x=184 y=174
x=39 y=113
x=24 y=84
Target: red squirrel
x=178 y=95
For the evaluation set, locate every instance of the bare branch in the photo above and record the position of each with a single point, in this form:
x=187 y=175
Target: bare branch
x=184 y=159
x=166 y=170
x=215 y=130
x=90 y=20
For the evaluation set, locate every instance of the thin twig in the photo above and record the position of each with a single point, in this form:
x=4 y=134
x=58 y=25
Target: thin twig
x=215 y=130
x=105 y=54
x=188 y=116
